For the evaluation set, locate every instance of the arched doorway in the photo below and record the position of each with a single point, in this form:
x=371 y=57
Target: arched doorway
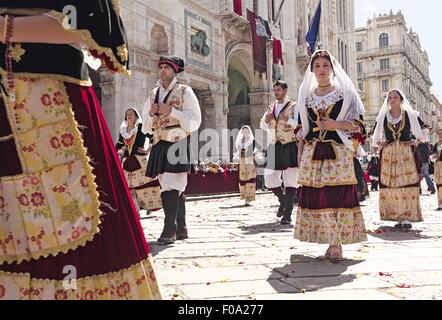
x=239 y=88
x=239 y=100
x=247 y=90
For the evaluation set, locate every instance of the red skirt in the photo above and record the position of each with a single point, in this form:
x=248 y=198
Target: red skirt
x=118 y=248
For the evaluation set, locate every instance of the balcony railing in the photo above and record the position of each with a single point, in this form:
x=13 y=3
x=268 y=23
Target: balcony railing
x=391 y=50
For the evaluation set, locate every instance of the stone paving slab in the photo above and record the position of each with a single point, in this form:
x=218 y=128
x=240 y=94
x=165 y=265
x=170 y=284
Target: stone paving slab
x=216 y=275
x=234 y=289
x=416 y=293
x=365 y=294
x=243 y=253
x=342 y=282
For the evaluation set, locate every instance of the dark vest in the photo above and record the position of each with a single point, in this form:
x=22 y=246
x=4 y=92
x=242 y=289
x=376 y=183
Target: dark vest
x=404 y=127
x=314 y=129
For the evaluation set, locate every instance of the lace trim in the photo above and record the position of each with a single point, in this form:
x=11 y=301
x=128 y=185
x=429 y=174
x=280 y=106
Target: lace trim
x=323 y=102
x=93 y=45
x=127 y=135
x=393 y=121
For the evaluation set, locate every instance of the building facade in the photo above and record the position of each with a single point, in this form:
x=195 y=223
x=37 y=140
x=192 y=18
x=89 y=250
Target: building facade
x=215 y=43
x=436 y=117
x=390 y=56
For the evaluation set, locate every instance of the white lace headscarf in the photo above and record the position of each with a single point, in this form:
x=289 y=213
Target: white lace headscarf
x=352 y=101
x=123 y=127
x=413 y=115
x=249 y=141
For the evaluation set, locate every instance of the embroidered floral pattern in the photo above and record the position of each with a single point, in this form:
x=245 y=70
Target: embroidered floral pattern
x=318 y=174
x=400 y=204
x=343 y=226
x=56 y=172
x=160 y=123
x=149 y=198
x=58 y=98
x=17 y=52
x=281 y=130
x=23 y=199
x=138 y=177
x=247 y=169
x=398 y=166
x=71 y=212
x=136 y=282
x=61 y=295
x=5 y=241
x=83 y=182
x=67 y=139
x=37 y=199
x=248 y=191
x=46 y=100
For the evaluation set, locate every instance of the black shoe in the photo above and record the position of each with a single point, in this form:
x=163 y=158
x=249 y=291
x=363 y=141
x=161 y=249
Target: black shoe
x=182 y=237
x=182 y=234
x=433 y=191
x=399 y=226
x=170 y=207
x=279 y=193
x=407 y=226
x=289 y=204
x=165 y=241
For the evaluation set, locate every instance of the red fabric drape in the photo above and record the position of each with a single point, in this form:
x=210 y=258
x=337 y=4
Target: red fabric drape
x=210 y=183
x=277 y=52
x=259 y=41
x=237 y=7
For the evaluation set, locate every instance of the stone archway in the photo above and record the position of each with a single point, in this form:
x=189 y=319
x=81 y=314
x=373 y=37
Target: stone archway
x=249 y=94
x=239 y=100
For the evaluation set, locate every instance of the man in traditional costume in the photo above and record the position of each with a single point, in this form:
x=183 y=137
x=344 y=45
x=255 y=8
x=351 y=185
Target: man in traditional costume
x=171 y=113
x=281 y=172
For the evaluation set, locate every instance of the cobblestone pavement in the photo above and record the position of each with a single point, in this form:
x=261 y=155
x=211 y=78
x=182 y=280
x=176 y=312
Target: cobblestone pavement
x=236 y=252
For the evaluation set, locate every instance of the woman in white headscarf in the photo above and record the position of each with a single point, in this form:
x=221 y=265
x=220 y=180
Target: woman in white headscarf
x=245 y=146
x=131 y=148
x=331 y=115
x=436 y=157
x=398 y=132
